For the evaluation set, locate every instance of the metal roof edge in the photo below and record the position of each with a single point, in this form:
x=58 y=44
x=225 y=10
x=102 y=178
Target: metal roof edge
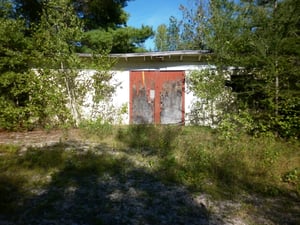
x=153 y=54
x=163 y=53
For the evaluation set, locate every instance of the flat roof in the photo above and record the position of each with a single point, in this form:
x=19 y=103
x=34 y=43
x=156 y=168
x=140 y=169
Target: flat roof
x=182 y=55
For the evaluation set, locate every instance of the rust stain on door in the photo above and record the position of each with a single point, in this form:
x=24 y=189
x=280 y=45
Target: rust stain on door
x=156 y=97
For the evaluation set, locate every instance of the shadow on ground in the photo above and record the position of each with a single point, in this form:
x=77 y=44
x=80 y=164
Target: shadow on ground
x=76 y=183
x=89 y=186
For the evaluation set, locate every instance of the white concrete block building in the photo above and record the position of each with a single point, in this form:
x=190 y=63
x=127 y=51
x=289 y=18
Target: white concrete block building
x=152 y=86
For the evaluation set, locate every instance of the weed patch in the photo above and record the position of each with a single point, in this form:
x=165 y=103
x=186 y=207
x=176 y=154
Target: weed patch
x=201 y=160
x=97 y=128
x=160 y=139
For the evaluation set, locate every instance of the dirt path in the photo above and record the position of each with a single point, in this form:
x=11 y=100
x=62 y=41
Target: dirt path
x=38 y=138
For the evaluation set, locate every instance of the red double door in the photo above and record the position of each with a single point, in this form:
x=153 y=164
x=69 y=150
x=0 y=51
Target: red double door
x=157 y=97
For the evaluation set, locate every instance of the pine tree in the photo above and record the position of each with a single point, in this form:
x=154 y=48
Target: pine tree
x=161 y=38
x=103 y=23
x=173 y=33
x=262 y=39
x=14 y=70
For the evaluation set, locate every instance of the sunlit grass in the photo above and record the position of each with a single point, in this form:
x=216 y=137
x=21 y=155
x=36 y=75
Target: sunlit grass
x=199 y=158
x=204 y=162
x=191 y=156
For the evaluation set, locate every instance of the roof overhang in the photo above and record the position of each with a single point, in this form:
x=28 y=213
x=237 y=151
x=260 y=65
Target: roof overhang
x=165 y=56
x=177 y=56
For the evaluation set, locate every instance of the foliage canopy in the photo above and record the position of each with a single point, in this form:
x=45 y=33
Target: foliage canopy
x=40 y=82
x=103 y=21
x=260 y=39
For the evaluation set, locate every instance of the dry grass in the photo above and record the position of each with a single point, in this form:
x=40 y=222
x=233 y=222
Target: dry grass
x=191 y=156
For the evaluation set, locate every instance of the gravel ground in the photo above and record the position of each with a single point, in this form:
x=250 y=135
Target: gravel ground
x=113 y=200
x=133 y=197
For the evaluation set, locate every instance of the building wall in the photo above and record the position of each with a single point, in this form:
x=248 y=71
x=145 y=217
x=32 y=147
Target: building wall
x=121 y=96
x=110 y=108
x=118 y=106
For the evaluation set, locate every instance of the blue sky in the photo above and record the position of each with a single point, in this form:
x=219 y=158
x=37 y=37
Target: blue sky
x=152 y=13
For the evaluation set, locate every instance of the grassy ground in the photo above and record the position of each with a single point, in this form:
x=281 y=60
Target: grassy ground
x=198 y=158
x=201 y=159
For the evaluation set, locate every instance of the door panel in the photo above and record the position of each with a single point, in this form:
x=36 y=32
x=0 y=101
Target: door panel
x=171 y=102
x=142 y=108
x=156 y=97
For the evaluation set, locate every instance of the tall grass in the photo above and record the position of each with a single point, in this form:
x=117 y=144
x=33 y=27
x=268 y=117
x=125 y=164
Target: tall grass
x=203 y=160
x=97 y=127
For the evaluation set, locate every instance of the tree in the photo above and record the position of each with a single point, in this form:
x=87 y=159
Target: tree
x=173 y=34
x=193 y=20
x=102 y=19
x=105 y=27
x=40 y=81
x=168 y=37
x=55 y=42
x=260 y=39
x=101 y=13
x=214 y=98
x=161 y=38
x=122 y=40
x=95 y=13
x=184 y=34
x=14 y=73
